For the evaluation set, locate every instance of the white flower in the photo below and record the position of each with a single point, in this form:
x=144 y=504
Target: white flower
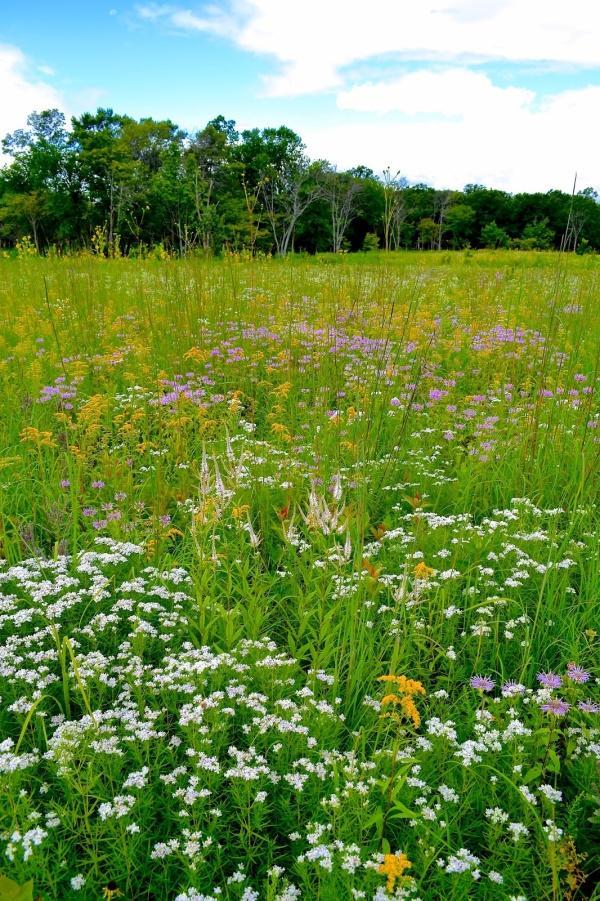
x=551 y=793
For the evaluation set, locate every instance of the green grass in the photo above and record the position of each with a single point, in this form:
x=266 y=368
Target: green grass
x=235 y=493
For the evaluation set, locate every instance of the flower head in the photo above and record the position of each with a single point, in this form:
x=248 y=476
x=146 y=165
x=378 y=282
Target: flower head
x=576 y=673
x=589 y=706
x=549 y=680
x=393 y=867
x=422 y=571
x=556 y=706
x=482 y=683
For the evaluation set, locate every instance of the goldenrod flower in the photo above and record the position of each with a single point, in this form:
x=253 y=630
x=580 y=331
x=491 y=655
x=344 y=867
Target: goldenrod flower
x=406 y=689
x=393 y=867
x=32 y=435
x=410 y=709
x=422 y=571
x=405 y=685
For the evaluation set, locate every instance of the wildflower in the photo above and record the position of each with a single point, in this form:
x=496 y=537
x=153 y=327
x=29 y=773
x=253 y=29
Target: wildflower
x=551 y=793
x=393 y=867
x=405 y=685
x=517 y=830
x=576 y=673
x=552 y=831
x=77 y=882
x=589 y=706
x=410 y=709
x=406 y=688
x=32 y=435
x=556 y=706
x=482 y=683
x=422 y=571
x=549 y=680
x=510 y=689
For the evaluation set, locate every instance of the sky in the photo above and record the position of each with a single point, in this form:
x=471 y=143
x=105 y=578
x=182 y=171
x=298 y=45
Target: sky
x=504 y=93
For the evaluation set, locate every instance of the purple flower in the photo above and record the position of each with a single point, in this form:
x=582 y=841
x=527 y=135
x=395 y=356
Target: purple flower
x=589 y=706
x=556 y=706
x=482 y=683
x=98 y=484
x=164 y=520
x=99 y=524
x=510 y=689
x=65 y=483
x=89 y=511
x=549 y=680
x=576 y=673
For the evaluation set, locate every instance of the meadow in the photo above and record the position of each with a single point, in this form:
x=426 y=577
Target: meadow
x=299 y=577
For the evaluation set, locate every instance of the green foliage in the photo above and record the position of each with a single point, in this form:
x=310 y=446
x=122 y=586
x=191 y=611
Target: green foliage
x=146 y=182
x=493 y=236
x=370 y=242
x=12 y=891
x=537 y=236
x=236 y=492
x=458 y=222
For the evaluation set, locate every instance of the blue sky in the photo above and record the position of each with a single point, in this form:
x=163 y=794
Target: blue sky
x=505 y=92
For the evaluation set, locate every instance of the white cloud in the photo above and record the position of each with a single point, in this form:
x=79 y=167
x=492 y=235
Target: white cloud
x=22 y=92
x=453 y=92
x=447 y=126
x=313 y=41
x=505 y=142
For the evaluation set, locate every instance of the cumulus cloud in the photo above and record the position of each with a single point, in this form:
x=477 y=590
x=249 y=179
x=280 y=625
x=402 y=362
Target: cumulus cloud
x=314 y=41
x=451 y=92
x=508 y=143
x=445 y=122
x=22 y=91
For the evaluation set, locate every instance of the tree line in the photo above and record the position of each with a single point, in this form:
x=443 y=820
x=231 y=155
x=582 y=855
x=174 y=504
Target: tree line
x=119 y=185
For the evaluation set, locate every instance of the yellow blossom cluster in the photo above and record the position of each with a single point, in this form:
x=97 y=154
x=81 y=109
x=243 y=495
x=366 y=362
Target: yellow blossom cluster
x=403 y=696
x=393 y=867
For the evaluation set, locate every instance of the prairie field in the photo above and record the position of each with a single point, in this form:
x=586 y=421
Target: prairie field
x=299 y=577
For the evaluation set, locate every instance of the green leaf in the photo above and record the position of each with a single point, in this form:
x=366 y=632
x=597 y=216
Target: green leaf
x=401 y=812
x=532 y=773
x=553 y=764
x=376 y=820
x=12 y=891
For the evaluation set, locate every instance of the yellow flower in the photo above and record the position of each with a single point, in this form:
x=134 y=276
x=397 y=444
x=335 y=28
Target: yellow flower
x=422 y=571
x=32 y=435
x=406 y=689
x=390 y=699
x=282 y=391
x=393 y=867
x=238 y=512
x=281 y=430
x=410 y=709
x=195 y=353
x=405 y=685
